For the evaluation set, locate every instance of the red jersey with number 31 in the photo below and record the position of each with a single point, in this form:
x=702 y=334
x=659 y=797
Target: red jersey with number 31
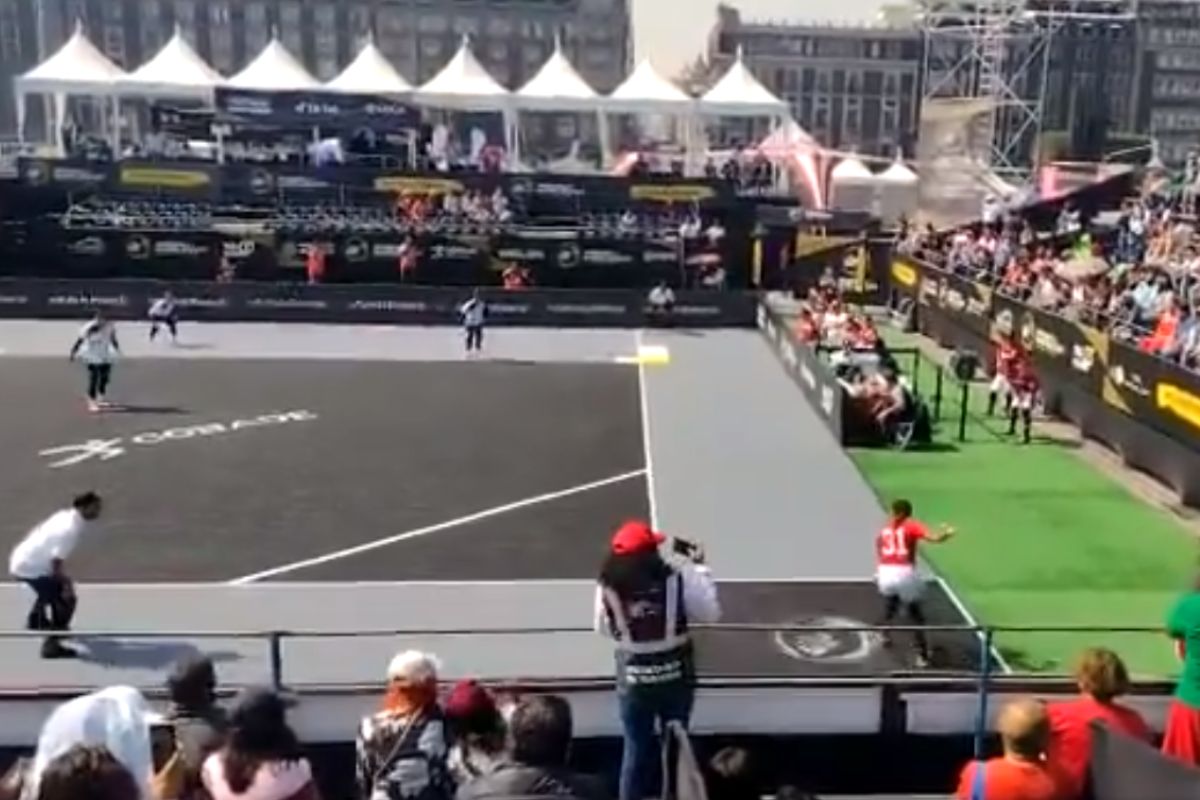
x=896 y=544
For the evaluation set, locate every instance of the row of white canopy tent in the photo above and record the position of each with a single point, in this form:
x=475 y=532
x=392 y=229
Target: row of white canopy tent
x=177 y=71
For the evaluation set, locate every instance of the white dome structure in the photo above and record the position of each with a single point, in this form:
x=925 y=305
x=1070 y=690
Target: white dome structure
x=899 y=190
x=853 y=187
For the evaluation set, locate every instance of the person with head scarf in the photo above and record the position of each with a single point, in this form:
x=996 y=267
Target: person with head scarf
x=116 y=718
x=261 y=758
x=476 y=730
x=645 y=604
x=402 y=749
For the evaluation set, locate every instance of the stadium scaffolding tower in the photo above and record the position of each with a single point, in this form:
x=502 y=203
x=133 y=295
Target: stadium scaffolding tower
x=1000 y=51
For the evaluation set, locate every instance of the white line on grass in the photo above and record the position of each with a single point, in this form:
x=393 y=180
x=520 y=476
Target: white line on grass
x=961 y=607
x=441 y=526
x=645 y=407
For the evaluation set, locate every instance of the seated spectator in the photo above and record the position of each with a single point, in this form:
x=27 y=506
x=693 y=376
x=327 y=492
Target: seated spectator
x=1022 y=773
x=540 y=733
x=115 y=719
x=402 y=749
x=660 y=303
x=476 y=729
x=261 y=758
x=731 y=775
x=1101 y=678
x=87 y=772
x=807 y=328
x=199 y=723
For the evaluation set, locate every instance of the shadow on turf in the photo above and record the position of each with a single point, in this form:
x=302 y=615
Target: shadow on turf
x=157 y=654
x=192 y=346
x=138 y=409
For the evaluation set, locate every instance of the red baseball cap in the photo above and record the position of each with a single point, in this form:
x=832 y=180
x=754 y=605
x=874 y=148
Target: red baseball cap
x=635 y=536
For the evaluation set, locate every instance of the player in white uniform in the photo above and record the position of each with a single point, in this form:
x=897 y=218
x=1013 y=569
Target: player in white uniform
x=164 y=312
x=39 y=561
x=474 y=315
x=98 y=348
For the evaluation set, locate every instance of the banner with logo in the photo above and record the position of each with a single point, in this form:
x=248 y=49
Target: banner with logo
x=814 y=377
x=1157 y=392
x=1071 y=350
x=963 y=301
x=904 y=276
x=333 y=111
x=375 y=304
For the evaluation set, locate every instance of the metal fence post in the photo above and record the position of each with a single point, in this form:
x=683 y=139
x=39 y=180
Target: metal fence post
x=939 y=377
x=985 y=674
x=276 y=644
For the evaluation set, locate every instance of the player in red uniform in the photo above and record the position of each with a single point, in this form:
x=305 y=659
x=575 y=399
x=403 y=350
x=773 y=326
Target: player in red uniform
x=896 y=573
x=1008 y=359
x=1025 y=392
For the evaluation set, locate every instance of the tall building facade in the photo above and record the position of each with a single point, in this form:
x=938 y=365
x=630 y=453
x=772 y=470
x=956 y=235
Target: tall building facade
x=1167 y=89
x=853 y=87
x=511 y=37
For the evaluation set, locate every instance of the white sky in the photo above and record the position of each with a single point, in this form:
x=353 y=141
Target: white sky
x=673 y=32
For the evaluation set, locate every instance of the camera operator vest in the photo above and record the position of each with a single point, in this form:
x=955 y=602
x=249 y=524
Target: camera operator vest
x=650 y=627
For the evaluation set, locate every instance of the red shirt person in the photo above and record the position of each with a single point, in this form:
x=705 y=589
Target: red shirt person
x=1008 y=361
x=896 y=575
x=1023 y=772
x=1101 y=677
x=314 y=263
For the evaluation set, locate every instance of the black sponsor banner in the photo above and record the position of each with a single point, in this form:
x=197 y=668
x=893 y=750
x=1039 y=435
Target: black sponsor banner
x=816 y=380
x=964 y=302
x=1070 y=350
x=1157 y=392
x=298 y=302
x=307 y=109
x=75 y=174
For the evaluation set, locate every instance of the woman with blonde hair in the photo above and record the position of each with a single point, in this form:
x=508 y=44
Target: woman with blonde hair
x=1102 y=678
x=1023 y=772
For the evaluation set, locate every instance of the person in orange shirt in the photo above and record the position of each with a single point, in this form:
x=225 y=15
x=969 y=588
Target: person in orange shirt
x=1023 y=772
x=1101 y=678
x=314 y=263
x=1164 y=331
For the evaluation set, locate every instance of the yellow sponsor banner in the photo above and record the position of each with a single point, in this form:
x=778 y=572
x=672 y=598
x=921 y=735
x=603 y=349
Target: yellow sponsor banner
x=904 y=274
x=671 y=194
x=808 y=244
x=170 y=178
x=1183 y=404
x=422 y=186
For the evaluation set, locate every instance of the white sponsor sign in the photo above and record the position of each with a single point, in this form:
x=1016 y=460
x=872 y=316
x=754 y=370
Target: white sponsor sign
x=107 y=449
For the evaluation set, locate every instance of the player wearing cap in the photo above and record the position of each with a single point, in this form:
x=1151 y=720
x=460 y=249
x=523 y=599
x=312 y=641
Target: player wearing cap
x=40 y=562
x=98 y=348
x=645 y=605
x=896 y=573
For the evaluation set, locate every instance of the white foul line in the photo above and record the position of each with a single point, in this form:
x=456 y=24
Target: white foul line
x=645 y=406
x=441 y=526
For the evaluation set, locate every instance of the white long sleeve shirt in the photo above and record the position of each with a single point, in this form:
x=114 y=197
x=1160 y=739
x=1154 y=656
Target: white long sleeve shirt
x=53 y=540
x=700 y=602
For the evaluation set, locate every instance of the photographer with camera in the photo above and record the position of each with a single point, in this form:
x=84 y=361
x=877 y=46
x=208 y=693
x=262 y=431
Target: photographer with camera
x=645 y=603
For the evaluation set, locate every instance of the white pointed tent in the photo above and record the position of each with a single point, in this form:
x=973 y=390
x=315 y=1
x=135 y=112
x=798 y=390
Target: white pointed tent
x=77 y=68
x=899 y=191
x=647 y=92
x=370 y=73
x=740 y=94
x=464 y=85
x=557 y=86
x=175 y=71
x=852 y=186
x=273 y=70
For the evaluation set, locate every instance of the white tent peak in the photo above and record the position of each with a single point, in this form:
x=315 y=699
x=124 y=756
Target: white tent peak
x=899 y=174
x=557 y=79
x=739 y=91
x=274 y=69
x=77 y=62
x=370 y=73
x=850 y=170
x=646 y=85
x=175 y=66
x=463 y=76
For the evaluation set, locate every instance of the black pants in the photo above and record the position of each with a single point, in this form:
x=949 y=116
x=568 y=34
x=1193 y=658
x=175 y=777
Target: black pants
x=171 y=322
x=54 y=606
x=474 y=337
x=916 y=616
x=98 y=378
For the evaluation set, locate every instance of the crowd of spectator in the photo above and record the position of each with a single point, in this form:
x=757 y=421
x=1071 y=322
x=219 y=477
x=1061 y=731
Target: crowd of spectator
x=1135 y=274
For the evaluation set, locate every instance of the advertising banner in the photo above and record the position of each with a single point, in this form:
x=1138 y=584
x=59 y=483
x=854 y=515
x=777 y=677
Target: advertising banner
x=309 y=109
x=963 y=301
x=1072 y=351
x=816 y=381
x=1158 y=393
x=374 y=304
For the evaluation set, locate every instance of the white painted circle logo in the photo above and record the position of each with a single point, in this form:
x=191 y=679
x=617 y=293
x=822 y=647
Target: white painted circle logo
x=832 y=640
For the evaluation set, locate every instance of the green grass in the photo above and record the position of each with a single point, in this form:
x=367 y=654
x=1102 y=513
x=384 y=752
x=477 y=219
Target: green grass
x=1044 y=539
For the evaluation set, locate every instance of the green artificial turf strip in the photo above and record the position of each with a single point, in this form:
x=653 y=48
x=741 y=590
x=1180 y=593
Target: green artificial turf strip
x=1044 y=539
